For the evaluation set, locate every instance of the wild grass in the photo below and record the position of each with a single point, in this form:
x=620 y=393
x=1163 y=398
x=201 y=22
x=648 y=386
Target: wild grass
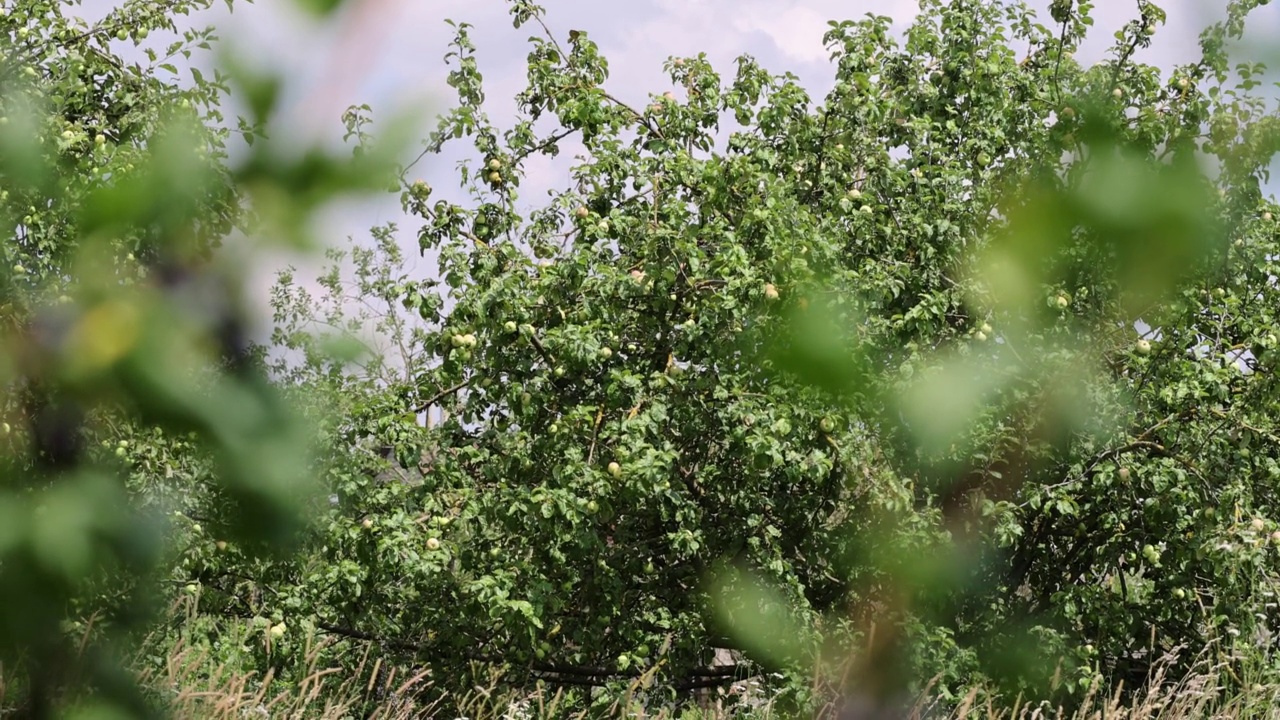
x=192 y=683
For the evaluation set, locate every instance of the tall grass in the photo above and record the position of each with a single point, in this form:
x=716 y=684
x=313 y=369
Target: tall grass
x=194 y=684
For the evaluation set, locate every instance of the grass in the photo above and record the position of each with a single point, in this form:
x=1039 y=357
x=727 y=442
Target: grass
x=196 y=685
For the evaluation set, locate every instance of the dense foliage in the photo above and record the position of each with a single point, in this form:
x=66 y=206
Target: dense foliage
x=125 y=364
x=968 y=365
x=820 y=341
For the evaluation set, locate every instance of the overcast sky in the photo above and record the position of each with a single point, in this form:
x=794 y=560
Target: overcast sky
x=388 y=53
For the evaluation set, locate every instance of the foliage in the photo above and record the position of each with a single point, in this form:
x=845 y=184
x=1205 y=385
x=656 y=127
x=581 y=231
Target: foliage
x=125 y=362
x=877 y=352
x=967 y=365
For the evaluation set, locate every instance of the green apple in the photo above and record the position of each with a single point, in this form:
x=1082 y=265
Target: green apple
x=1143 y=347
x=495 y=164
x=985 y=328
x=495 y=177
x=278 y=630
x=192 y=588
x=221 y=545
x=980 y=336
x=1179 y=593
x=827 y=425
x=1062 y=302
x=1124 y=473
x=433 y=544
x=605 y=353
x=770 y=291
x=367 y=524
x=615 y=469
x=593 y=507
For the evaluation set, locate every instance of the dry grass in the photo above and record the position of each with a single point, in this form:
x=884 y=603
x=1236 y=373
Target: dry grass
x=197 y=687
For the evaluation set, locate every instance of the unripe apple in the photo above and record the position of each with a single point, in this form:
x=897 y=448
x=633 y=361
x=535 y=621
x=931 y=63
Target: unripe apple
x=554 y=428
x=1061 y=302
x=277 y=631
x=678 y=62
x=581 y=212
x=221 y=545
x=1117 y=93
x=1089 y=649
x=99 y=139
x=367 y=524
x=1151 y=553
x=142 y=34
x=980 y=336
x=5 y=428
x=558 y=372
x=1266 y=216
x=1179 y=593
x=495 y=177
x=1150 y=30
x=1184 y=83
x=827 y=424
x=605 y=353
x=433 y=544
x=615 y=469
x=1068 y=112
x=19 y=269
x=122 y=34
x=1124 y=473
x=197 y=529
x=120 y=452
x=770 y=291
x=669 y=96
x=854 y=193
x=986 y=328
x=1258 y=524
x=509 y=326
x=593 y=507
x=1275 y=537
x=191 y=588
x=637 y=276
x=1143 y=347
x=495 y=164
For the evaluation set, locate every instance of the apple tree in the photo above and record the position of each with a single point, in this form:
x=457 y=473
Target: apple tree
x=971 y=358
